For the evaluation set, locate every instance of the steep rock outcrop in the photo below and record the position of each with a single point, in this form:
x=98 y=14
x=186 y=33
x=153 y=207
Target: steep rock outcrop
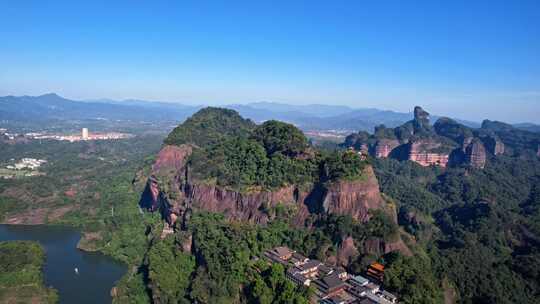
x=421 y=120
x=354 y=198
x=421 y=152
x=347 y=252
x=379 y=246
x=493 y=145
x=171 y=158
x=475 y=154
x=384 y=147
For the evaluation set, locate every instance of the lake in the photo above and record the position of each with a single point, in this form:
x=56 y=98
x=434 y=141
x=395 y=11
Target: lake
x=97 y=272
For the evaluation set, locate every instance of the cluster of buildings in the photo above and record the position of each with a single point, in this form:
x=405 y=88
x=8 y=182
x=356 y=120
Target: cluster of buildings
x=4 y=134
x=27 y=163
x=85 y=135
x=24 y=168
x=332 y=285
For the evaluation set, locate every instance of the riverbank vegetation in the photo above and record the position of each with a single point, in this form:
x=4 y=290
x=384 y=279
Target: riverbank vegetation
x=21 y=277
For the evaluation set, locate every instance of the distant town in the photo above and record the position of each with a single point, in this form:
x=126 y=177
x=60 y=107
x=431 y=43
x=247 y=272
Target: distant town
x=85 y=135
x=332 y=285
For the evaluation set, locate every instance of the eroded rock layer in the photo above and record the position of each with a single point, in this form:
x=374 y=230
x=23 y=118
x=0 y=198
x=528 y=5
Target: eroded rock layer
x=384 y=147
x=421 y=153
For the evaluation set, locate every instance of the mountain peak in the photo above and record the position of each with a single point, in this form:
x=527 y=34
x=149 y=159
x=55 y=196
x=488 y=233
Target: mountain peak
x=50 y=95
x=420 y=114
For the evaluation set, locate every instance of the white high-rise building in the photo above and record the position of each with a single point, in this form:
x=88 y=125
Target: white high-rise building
x=85 y=133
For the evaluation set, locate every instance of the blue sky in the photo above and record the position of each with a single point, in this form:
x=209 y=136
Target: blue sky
x=466 y=59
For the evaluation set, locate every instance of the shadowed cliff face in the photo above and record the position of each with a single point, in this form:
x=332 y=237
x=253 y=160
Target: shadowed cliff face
x=475 y=154
x=354 y=198
x=171 y=191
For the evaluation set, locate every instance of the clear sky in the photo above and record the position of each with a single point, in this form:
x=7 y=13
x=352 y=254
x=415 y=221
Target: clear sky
x=466 y=59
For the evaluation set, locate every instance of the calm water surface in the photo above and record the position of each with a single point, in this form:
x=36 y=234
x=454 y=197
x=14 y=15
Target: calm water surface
x=97 y=273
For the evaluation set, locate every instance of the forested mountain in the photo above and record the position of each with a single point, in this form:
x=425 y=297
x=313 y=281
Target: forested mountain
x=228 y=189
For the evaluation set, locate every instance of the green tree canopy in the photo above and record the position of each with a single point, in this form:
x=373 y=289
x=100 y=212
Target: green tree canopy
x=277 y=136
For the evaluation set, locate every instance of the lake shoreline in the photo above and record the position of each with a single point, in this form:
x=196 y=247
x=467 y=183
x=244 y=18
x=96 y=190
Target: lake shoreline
x=97 y=273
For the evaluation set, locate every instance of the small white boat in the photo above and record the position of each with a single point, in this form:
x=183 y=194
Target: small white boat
x=76 y=270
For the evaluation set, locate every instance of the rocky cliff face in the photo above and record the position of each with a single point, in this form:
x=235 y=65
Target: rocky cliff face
x=421 y=120
x=171 y=191
x=384 y=147
x=347 y=252
x=475 y=154
x=249 y=206
x=354 y=198
x=379 y=246
x=493 y=145
x=421 y=152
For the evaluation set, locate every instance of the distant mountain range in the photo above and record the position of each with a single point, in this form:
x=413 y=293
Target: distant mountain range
x=54 y=107
x=308 y=117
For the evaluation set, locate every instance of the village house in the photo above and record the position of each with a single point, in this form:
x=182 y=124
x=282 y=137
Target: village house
x=325 y=270
x=376 y=272
x=377 y=298
x=372 y=287
x=367 y=301
x=388 y=296
x=330 y=285
x=309 y=269
x=279 y=254
x=333 y=300
x=358 y=281
x=298 y=259
x=298 y=278
x=342 y=273
x=283 y=253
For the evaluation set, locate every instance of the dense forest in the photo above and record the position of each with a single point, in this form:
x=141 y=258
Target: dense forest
x=234 y=152
x=480 y=227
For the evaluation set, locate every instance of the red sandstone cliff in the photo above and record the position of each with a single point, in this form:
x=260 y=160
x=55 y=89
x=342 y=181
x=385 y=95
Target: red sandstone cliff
x=354 y=198
x=171 y=191
x=475 y=154
x=421 y=152
x=384 y=147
